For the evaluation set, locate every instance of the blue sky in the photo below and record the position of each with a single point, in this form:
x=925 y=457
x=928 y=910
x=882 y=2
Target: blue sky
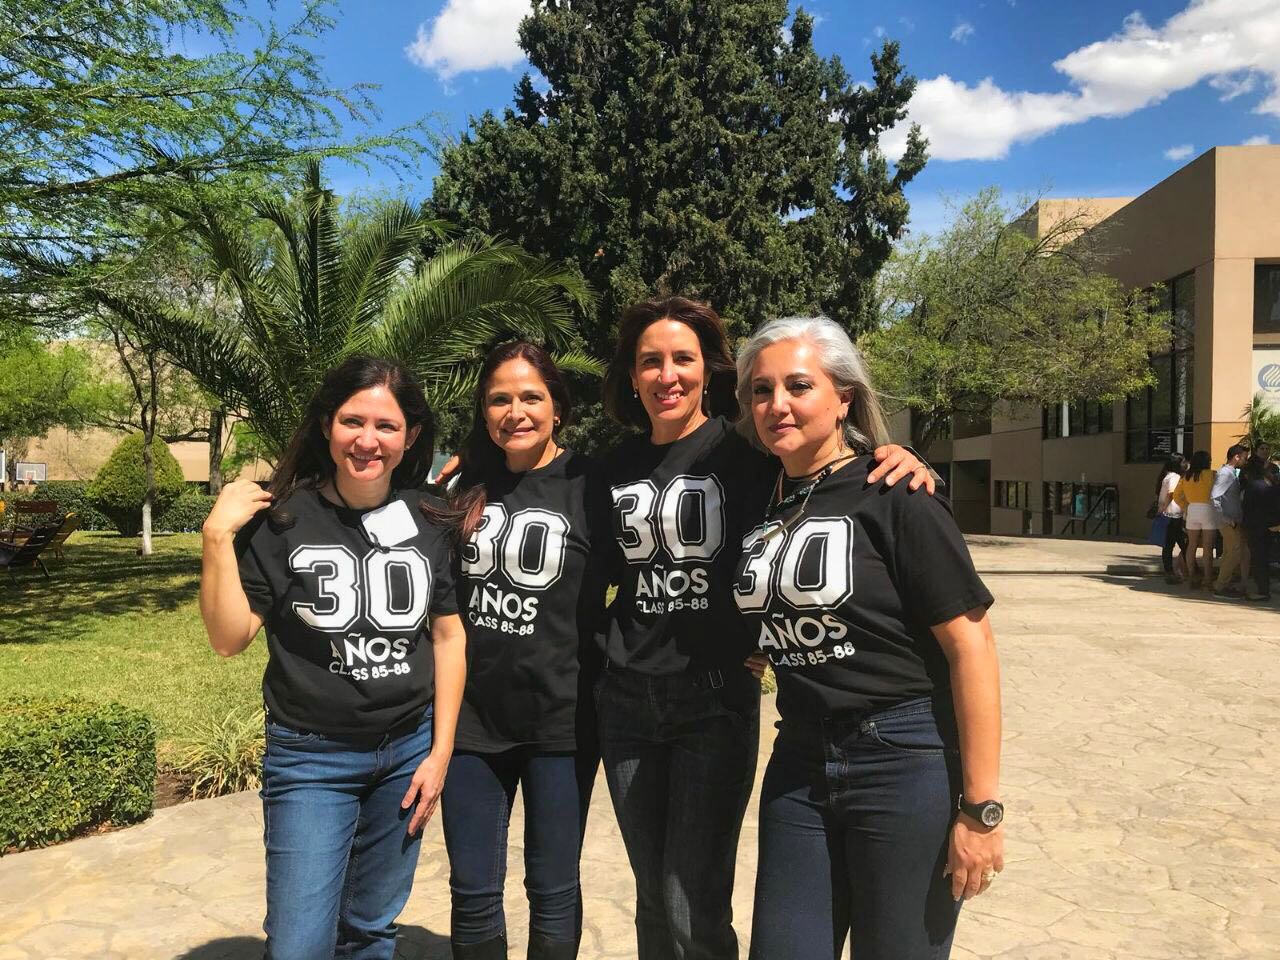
x=1068 y=98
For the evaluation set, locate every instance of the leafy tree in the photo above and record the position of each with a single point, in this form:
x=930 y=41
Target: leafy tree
x=988 y=312
x=308 y=293
x=100 y=114
x=691 y=147
x=125 y=487
x=43 y=386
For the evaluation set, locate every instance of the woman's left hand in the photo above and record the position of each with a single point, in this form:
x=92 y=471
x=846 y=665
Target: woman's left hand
x=974 y=856
x=427 y=783
x=895 y=463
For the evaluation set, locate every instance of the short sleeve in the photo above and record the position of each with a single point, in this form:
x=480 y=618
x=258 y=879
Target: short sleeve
x=250 y=543
x=931 y=561
x=444 y=598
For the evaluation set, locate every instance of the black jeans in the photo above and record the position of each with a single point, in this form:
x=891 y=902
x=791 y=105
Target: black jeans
x=477 y=800
x=1259 y=541
x=855 y=818
x=680 y=757
x=1175 y=535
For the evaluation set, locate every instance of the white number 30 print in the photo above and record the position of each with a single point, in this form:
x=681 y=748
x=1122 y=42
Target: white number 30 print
x=338 y=579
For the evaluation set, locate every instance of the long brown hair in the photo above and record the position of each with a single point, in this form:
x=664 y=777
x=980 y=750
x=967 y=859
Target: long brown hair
x=720 y=378
x=480 y=456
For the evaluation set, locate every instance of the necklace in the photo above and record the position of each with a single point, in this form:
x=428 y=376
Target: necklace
x=778 y=503
x=369 y=538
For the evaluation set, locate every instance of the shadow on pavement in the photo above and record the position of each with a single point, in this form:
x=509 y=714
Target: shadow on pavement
x=414 y=943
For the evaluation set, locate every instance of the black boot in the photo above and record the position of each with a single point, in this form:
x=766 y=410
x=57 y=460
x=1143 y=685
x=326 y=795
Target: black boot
x=542 y=948
x=495 y=949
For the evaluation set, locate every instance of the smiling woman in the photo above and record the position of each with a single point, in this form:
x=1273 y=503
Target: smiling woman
x=345 y=564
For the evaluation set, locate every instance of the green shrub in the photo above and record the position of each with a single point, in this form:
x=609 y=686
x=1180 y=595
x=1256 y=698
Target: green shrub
x=67 y=765
x=121 y=484
x=224 y=756
x=68 y=494
x=186 y=514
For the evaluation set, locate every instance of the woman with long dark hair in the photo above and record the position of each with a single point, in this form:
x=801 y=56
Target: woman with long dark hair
x=1175 y=533
x=1193 y=494
x=347 y=564
x=530 y=599
x=867 y=606
x=678 y=710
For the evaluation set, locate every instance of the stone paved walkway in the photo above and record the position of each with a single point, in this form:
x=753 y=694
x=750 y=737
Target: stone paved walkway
x=1140 y=771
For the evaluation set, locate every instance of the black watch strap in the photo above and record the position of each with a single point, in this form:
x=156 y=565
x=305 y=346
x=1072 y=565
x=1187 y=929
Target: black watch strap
x=989 y=813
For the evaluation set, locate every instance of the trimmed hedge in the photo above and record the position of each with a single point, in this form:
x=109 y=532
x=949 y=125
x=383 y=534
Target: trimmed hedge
x=120 y=487
x=68 y=765
x=69 y=495
x=187 y=514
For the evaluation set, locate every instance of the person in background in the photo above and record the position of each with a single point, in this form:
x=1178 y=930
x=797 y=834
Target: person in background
x=1175 y=532
x=880 y=808
x=349 y=572
x=531 y=599
x=1229 y=507
x=1261 y=513
x=1192 y=495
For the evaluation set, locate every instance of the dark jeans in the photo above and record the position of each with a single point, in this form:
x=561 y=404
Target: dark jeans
x=855 y=817
x=680 y=757
x=477 y=801
x=340 y=860
x=1259 y=541
x=1175 y=535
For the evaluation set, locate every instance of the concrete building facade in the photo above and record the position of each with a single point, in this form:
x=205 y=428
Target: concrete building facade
x=1210 y=233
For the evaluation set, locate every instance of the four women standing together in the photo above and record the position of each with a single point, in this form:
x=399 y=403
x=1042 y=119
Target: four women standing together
x=860 y=593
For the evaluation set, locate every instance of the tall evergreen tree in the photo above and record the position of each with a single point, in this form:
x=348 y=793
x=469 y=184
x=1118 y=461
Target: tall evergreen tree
x=691 y=146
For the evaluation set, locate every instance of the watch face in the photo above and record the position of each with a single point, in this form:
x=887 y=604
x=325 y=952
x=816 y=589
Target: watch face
x=992 y=814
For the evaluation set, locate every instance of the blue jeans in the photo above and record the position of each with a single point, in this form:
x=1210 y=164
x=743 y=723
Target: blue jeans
x=478 y=795
x=340 y=861
x=680 y=757
x=855 y=818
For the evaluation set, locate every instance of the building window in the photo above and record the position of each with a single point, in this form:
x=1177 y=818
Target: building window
x=1077 y=419
x=1159 y=420
x=1266 y=298
x=1011 y=493
x=1082 y=509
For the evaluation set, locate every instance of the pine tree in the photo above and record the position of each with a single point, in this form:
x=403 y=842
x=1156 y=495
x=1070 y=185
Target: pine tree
x=691 y=146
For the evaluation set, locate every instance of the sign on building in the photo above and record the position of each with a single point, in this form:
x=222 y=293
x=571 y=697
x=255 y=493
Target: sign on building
x=1266 y=375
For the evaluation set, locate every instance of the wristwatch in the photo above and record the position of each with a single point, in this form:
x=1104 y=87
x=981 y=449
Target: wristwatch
x=989 y=813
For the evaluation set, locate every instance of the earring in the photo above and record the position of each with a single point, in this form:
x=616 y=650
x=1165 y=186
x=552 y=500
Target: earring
x=635 y=394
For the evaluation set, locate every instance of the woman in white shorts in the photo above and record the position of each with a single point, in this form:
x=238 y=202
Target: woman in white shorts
x=1192 y=494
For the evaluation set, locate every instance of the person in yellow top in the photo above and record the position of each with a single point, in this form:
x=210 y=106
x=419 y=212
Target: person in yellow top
x=1193 y=494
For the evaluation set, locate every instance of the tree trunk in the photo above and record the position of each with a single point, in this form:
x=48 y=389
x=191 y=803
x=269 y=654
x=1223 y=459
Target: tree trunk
x=217 y=420
x=147 y=502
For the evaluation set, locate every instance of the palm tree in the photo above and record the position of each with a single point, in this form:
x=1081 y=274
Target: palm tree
x=313 y=293
x=1262 y=424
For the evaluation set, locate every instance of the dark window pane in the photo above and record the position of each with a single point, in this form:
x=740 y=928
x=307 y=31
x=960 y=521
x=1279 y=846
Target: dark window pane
x=1184 y=311
x=1266 y=298
x=1091 y=418
x=1183 y=368
x=1106 y=413
x=1162 y=392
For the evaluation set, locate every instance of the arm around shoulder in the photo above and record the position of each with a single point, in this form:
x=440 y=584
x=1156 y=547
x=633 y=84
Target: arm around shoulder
x=229 y=621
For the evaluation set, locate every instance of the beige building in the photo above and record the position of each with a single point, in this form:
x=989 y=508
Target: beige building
x=1211 y=234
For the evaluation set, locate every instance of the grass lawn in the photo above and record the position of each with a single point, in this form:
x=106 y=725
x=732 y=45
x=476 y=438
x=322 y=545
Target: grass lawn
x=110 y=625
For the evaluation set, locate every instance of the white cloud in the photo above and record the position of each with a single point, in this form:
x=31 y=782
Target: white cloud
x=1261 y=140
x=1180 y=152
x=470 y=35
x=962 y=32
x=1231 y=43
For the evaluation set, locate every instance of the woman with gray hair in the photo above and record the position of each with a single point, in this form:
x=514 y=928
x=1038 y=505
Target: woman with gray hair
x=880 y=802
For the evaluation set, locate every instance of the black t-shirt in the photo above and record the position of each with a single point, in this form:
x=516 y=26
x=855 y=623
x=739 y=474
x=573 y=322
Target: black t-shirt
x=531 y=602
x=842 y=601
x=348 y=628
x=676 y=512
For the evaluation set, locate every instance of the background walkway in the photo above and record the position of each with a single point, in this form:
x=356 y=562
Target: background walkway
x=1140 y=771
